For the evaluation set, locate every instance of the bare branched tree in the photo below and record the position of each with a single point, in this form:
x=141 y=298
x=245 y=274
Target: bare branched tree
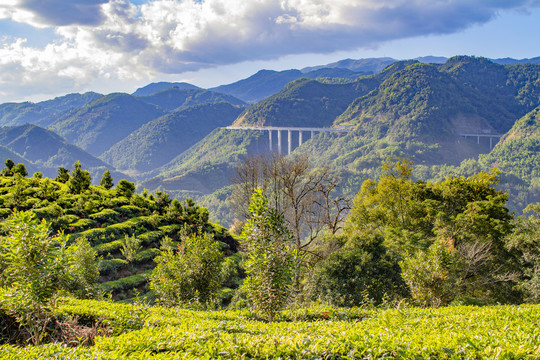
x=304 y=196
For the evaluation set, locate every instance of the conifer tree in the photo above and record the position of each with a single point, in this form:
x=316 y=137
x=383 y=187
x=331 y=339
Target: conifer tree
x=106 y=180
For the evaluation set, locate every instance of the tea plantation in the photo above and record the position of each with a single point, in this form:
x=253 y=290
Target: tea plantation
x=142 y=332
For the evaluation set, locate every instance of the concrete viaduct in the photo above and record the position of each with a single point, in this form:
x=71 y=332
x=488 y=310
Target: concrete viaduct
x=478 y=136
x=312 y=130
x=289 y=130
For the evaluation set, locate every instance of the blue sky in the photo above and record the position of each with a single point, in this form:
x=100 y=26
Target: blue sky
x=54 y=47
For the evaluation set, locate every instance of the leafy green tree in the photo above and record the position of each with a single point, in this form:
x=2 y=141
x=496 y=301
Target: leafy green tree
x=20 y=169
x=17 y=196
x=106 y=180
x=162 y=200
x=80 y=180
x=415 y=218
x=192 y=274
x=524 y=241
x=270 y=257
x=125 y=188
x=34 y=268
x=84 y=270
x=8 y=169
x=362 y=270
x=63 y=175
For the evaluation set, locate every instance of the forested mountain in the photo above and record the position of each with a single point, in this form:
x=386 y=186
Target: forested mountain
x=100 y=124
x=165 y=134
x=518 y=152
x=268 y=82
x=175 y=99
x=153 y=88
x=43 y=150
x=411 y=109
x=45 y=112
x=160 y=140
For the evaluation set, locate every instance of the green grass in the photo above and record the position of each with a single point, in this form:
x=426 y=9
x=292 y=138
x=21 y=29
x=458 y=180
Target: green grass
x=142 y=332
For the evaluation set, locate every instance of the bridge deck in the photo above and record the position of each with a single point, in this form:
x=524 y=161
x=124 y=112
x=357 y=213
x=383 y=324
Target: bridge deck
x=282 y=128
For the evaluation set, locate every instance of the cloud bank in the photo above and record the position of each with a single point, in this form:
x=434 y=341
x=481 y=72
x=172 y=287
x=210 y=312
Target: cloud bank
x=115 y=39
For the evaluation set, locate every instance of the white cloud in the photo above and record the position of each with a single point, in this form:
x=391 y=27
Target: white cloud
x=117 y=40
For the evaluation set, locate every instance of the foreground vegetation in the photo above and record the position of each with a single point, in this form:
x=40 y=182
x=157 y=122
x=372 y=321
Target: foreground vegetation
x=142 y=332
x=401 y=243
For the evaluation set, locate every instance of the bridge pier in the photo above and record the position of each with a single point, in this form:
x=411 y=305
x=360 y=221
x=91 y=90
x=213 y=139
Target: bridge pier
x=279 y=141
x=300 y=138
x=270 y=139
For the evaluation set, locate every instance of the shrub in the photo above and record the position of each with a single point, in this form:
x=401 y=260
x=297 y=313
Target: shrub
x=192 y=274
x=361 y=270
x=270 y=258
x=106 y=216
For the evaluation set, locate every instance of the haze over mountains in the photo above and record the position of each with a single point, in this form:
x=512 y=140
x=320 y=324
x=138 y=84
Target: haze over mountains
x=170 y=135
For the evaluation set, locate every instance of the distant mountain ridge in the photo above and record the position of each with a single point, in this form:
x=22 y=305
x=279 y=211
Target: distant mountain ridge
x=153 y=88
x=45 y=112
x=102 y=123
x=45 y=151
x=170 y=135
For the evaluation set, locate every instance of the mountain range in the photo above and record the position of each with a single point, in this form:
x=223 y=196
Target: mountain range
x=172 y=136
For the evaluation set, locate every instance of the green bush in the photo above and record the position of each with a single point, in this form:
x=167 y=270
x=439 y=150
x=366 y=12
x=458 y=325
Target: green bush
x=112 y=266
x=95 y=235
x=106 y=216
x=360 y=271
x=109 y=247
x=126 y=283
x=49 y=212
x=83 y=224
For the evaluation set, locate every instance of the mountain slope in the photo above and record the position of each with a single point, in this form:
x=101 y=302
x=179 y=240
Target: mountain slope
x=102 y=123
x=518 y=152
x=268 y=82
x=47 y=151
x=162 y=139
x=42 y=113
x=304 y=102
x=174 y=99
x=153 y=88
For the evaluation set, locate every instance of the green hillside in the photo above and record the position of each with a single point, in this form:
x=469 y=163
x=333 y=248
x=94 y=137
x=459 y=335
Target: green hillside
x=206 y=166
x=518 y=152
x=105 y=218
x=161 y=140
x=176 y=99
x=303 y=102
x=153 y=88
x=410 y=109
x=45 y=151
x=42 y=113
x=102 y=123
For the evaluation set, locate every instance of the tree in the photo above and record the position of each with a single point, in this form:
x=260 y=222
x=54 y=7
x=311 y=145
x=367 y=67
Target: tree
x=7 y=170
x=20 y=169
x=63 y=175
x=106 y=180
x=192 y=274
x=302 y=195
x=270 y=257
x=80 y=180
x=125 y=188
x=34 y=267
x=452 y=230
x=524 y=241
x=362 y=270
